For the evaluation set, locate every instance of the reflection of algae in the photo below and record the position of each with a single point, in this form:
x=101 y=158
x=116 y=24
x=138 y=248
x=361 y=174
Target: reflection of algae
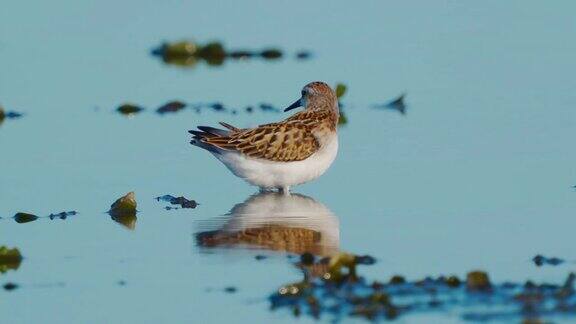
x=10 y=259
x=341 y=292
x=127 y=220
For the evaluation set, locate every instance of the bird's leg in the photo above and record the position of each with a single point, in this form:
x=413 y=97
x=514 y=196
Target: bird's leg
x=285 y=190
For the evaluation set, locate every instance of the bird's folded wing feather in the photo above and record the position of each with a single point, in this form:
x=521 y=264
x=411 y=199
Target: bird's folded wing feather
x=288 y=141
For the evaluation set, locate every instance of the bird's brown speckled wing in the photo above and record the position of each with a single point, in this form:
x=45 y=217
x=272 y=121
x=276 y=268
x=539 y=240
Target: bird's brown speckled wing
x=275 y=142
x=290 y=140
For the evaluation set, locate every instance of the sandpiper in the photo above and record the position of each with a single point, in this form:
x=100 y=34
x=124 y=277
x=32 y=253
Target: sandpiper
x=283 y=154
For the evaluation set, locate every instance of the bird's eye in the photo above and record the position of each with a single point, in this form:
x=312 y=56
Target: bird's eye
x=303 y=93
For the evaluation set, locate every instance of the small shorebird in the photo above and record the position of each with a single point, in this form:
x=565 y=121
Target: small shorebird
x=279 y=155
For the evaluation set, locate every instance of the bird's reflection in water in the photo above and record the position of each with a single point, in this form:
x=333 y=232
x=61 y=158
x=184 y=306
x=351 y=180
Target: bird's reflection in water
x=289 y=223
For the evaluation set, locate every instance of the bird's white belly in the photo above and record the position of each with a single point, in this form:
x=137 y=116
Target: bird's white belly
x=273 y=174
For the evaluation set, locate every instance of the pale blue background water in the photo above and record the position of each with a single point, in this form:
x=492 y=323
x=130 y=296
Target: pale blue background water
x=477 y=175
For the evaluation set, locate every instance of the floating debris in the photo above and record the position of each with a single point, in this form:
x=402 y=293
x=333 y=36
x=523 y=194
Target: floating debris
x=241 y=54
x=268 y=107
x=217 y=106
x=63 y=215
x=213 y=53
x=10 y=259
x=22 y=218
x=396 y=104
x=260 y=257
x=183 y=202
x=271 y=53
x=340 y=292
x=123 y=211
x=171 y=107
x=230 y=290
x=189 y=53
x=8 y=115
x=10 y=286
x=540 y=260
x=129 y=109
x=303 y=55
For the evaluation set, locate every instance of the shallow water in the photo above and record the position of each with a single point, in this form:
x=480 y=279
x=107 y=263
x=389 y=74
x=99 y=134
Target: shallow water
x=476 y=175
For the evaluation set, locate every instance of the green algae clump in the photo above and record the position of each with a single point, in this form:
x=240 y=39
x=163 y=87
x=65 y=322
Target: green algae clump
x=10 y=259
x=124 y=205
x=340 y=90
x=129 y=109
x=478 y=281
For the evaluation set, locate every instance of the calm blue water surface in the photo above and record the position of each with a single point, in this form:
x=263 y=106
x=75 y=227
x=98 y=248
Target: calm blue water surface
x=478 y=174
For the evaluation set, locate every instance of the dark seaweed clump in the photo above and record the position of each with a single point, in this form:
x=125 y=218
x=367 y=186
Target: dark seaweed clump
x=398 y=104
x=8 y=115
x=181 y=201
x=332 y=287
x=189 y=53
x=129 y=109
x=22 y=218
x=540 y=260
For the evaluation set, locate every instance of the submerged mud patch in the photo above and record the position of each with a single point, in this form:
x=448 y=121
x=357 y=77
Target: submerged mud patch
x=332 y=287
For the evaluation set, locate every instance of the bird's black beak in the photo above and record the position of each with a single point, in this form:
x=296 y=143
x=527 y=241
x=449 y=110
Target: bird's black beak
x=296 y=104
